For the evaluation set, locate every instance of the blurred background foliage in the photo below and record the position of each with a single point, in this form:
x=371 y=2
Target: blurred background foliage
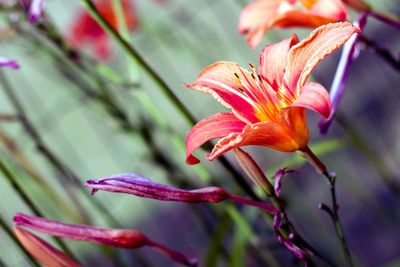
x=97 y=119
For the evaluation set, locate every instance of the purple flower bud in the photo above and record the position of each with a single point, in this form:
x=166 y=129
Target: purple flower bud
x=349 y=54
x=4 y=62
x=134 y=184
x=120 y=238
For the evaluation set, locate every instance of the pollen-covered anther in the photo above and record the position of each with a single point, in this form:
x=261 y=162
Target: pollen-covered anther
x=237 y=78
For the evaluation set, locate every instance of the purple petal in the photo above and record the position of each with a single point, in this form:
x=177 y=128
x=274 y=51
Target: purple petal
x=10 y=63
x=349 y=54
x=134 y=184
x=278 y=179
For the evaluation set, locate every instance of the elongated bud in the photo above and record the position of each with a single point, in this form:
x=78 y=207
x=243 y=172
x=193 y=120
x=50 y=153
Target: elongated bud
x=120 y=238
x=135 y=184
x=251 y=168
x=43 y=251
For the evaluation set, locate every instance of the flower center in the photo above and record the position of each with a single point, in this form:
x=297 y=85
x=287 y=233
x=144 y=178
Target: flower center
x=266 y=99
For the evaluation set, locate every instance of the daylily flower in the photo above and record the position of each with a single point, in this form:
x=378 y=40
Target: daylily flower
x=120 y=238
x=268 y=106
x=86 y=31
x=43 y=251
x=261 y=15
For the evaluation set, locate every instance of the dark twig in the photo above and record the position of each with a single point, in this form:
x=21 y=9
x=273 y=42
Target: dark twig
x=382 y=52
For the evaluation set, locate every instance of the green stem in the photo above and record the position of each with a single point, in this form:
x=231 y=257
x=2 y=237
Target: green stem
x=321 y=168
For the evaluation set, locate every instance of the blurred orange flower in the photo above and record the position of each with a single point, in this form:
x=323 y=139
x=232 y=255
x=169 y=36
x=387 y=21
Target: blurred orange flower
x=261 y=15
x=86 y=31
x=268 y=106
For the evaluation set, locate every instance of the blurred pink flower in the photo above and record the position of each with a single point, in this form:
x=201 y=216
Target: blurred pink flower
x=261 y=15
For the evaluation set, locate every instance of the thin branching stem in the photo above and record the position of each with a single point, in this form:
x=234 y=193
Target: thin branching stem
x=334 y=214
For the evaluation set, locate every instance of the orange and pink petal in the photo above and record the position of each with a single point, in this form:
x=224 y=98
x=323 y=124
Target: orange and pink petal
x=273 y=60
x=314 y=97
x=216 y=126
x=267 y=134
x=304 y=56
x=220 y=80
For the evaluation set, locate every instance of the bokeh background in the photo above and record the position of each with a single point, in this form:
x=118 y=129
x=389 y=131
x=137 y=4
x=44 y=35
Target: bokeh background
x=90 y=138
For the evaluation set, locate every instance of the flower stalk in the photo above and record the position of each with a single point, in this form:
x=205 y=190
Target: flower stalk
x=334 y=214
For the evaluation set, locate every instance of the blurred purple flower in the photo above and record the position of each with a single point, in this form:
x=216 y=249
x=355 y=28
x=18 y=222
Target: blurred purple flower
x=134 y=184
x=35 y=9
x=10 y=63
x=349 y=54
x=120 y=238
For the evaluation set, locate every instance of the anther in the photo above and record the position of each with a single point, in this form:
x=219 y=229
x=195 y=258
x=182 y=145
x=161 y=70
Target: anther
x=237 y=78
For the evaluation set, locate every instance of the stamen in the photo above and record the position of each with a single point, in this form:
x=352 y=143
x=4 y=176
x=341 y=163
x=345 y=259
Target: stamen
x=252 y=67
